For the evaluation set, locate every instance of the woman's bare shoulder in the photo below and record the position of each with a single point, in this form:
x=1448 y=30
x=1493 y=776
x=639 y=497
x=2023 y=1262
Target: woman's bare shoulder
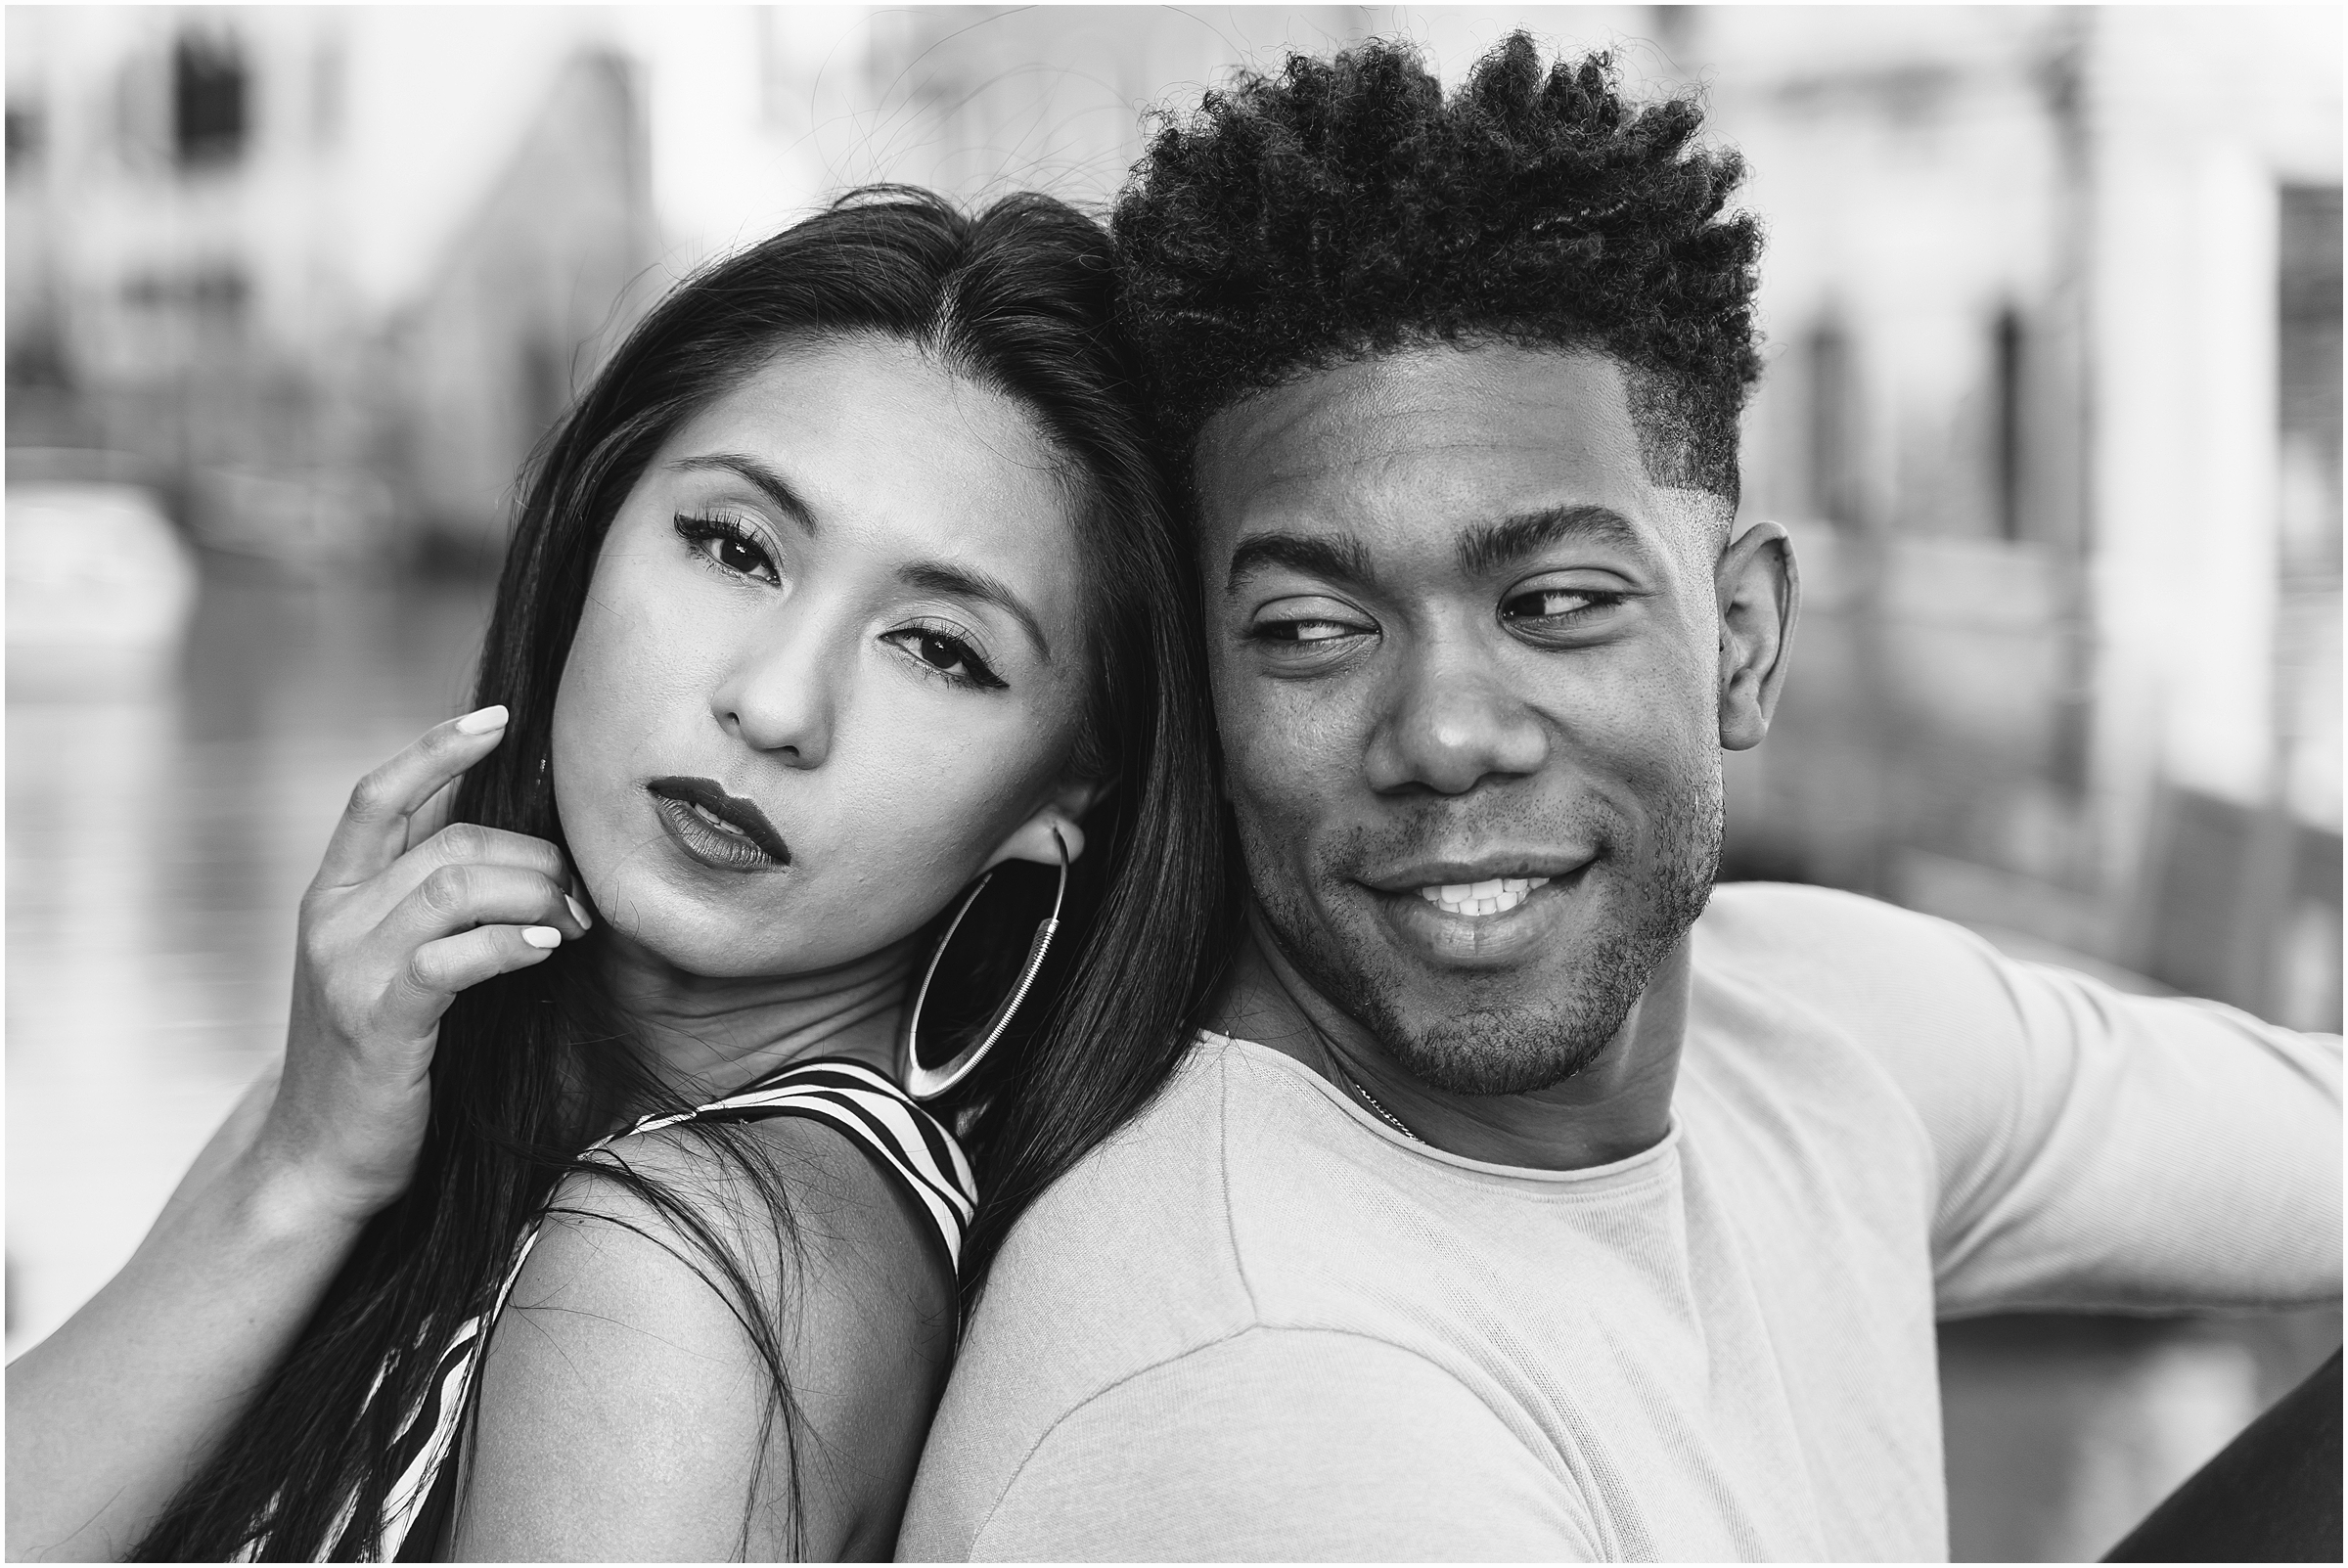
x=626 y=1406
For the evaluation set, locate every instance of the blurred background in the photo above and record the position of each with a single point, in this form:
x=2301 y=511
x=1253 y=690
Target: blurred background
x=2053 y=408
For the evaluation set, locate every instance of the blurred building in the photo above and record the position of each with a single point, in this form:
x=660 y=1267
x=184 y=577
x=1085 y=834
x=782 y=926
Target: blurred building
x=2053 y=403
x=322 y=273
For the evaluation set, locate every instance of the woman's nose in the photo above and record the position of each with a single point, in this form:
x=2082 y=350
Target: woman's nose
x=781 y=697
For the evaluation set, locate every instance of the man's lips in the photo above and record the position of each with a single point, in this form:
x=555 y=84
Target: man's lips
x=721 y=812
x=1483 y=913
x=1493 y=866
x=1476 y=898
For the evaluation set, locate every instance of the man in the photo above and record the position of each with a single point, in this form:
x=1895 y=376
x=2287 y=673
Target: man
x=1509 y=1208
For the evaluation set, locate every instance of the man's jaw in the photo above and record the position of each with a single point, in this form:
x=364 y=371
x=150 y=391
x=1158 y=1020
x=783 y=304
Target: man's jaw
x=1347 y=1028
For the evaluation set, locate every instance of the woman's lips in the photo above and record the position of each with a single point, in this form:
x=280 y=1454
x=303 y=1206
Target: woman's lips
x=719 y=830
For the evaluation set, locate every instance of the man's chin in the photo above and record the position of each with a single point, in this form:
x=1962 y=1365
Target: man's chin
x=1522 y=1010
x=1508 y=1050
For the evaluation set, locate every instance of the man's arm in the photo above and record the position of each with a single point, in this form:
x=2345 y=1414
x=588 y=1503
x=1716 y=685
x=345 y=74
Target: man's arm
x=1281 y=1444
x=2095 y=1149
x=2151 y=1153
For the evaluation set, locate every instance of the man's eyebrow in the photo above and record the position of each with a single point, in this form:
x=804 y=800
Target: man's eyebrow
x=1494 y=545
x=1341 y=560
x=969 y=582
x=785 y=499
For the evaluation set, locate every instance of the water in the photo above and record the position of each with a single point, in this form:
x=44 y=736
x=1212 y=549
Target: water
x=158 y=843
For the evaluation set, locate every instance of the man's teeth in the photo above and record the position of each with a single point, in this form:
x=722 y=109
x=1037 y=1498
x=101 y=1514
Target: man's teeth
x=1497 y=896
x=717 y=822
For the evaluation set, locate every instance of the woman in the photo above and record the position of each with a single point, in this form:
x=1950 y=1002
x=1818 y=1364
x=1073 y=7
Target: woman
x=609 y=1232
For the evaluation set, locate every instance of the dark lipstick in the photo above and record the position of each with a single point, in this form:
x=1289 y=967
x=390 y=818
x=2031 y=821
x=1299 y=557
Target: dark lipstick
x=718 y=828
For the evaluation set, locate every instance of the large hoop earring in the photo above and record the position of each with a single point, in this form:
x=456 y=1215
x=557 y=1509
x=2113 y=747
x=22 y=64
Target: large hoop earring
x=928 y=1083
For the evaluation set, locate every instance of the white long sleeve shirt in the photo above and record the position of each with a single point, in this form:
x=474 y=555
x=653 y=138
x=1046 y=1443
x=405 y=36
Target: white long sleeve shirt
x=1257 y=1324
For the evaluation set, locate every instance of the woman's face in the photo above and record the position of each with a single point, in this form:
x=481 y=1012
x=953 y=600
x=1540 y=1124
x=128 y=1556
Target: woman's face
x=831 y=666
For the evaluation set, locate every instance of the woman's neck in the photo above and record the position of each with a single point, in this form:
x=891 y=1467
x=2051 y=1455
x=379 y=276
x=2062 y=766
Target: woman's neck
x=708 y=1037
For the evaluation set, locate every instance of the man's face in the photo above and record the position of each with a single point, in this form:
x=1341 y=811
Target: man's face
x=1468 y=667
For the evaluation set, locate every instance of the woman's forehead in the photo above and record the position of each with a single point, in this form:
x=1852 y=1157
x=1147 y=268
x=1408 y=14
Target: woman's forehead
x=874 y=429
x=832 y=395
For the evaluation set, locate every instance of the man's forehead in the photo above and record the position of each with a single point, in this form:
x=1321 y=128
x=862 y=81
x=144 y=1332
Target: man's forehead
x=1436 y=432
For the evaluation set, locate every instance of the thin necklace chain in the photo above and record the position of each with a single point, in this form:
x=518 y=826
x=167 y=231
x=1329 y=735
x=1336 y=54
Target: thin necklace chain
x=1363 y=1089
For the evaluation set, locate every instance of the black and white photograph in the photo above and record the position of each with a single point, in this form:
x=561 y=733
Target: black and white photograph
x=1143 y=782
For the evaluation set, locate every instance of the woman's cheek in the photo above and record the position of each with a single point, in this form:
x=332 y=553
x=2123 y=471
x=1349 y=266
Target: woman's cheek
x=621 y=717
x=948 y=809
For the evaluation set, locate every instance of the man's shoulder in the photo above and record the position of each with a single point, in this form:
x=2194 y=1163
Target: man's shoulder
x=1124 y=1264
x=1127 y=1257
x=1161 y=1239
x=1824 y=998
x=1821 y=949
x=1750 y=920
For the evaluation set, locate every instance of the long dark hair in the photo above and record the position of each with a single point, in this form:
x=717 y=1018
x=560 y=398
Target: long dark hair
x=532 y=1067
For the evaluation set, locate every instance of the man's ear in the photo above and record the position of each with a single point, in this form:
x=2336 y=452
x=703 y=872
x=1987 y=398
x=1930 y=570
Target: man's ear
x=1760 y=594
x=1032 y=839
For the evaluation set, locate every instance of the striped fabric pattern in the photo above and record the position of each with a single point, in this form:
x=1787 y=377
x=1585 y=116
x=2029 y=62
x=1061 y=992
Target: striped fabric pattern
x=865 y=1106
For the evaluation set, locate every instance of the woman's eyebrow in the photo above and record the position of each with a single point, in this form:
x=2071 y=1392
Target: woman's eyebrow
x=968 y=582
x=778 y=490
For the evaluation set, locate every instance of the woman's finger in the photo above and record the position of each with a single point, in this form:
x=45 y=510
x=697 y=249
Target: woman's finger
x=373 y=829
x=434 y=815
x=456 y=897
x=467 y=843
x=439 y=969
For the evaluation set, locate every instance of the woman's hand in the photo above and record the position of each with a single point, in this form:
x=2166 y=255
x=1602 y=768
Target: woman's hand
x=111 y=1415
x=400 y=919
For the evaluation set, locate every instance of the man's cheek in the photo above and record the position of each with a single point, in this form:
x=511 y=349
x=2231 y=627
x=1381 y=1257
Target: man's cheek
x=1294 y=790
x=1267 y=786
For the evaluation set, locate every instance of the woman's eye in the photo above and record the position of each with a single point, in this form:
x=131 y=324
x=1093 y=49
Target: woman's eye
x=949 y=655
x=941 y=652
x=729 y=544
x=736 y=556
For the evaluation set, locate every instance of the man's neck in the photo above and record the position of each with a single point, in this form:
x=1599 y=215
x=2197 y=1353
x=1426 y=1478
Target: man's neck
x=712 y=1036
x=1617 y=1106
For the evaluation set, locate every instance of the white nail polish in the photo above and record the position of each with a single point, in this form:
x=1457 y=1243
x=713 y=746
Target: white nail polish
x=481 y=721
x=542 y=936
x=578 y=910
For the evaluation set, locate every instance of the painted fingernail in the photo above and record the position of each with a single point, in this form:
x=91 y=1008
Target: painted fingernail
x=578 y=910
x=481 y=721
x=542 y=936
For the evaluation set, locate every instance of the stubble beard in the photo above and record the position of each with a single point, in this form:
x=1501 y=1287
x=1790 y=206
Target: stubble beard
x=1516 y=1046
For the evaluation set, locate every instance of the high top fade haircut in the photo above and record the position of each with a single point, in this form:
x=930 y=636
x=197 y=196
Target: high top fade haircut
x=1345 y=208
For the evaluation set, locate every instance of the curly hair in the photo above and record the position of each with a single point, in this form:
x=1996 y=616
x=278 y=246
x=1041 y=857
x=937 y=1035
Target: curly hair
x=1345 y=208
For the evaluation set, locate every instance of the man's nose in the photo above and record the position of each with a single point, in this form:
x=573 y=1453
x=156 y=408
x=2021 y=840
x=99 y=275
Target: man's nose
x=1451 y=722
x=782 y=695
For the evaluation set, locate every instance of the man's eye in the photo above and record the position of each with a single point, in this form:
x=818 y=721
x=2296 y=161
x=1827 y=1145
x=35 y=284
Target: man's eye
x=1550 y=603
x=1305 y=631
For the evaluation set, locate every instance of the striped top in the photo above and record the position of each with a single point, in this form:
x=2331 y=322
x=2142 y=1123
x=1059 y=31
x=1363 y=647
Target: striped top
x=870 y=1110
